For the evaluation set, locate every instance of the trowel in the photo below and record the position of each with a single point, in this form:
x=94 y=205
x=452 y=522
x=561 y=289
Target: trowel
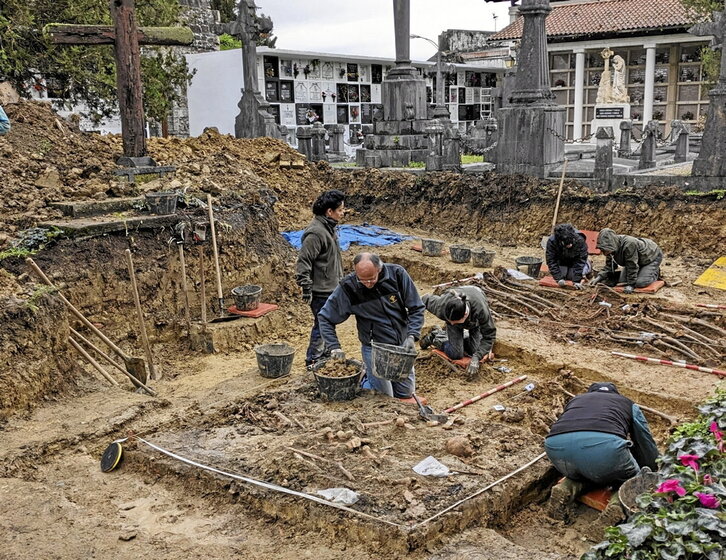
x=428 y=413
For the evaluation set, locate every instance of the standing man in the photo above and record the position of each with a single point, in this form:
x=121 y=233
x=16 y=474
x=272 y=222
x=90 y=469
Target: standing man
x=470 y=328
x=4 y=122
x=319 y=265
x=387 y=309
x=639 y=257
x=601 y=438
x=567 y=257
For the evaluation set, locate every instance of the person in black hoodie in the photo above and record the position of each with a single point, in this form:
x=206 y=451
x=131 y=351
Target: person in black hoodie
x=601 y=438
x=567 y=255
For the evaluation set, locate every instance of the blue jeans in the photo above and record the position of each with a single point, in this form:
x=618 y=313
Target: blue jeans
x=604 y=459
x=316 y=347
x=399 y=389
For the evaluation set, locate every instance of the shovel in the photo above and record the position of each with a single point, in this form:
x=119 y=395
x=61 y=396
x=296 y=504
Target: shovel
x=428 y=413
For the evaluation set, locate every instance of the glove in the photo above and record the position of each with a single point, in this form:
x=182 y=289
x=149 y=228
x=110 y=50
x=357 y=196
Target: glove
x=473 y=370
x=337 y=355
x=597 y=280
x=628 y=289
x=307 y=295
x=579 y=286
x=561 y=283
x=410 y=344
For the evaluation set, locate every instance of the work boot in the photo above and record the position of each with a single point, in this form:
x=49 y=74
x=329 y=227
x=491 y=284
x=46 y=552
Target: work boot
x=611 y=515
x=562 y=497
x=430 y=338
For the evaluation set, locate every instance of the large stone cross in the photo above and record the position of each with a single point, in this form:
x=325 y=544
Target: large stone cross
x=717 y=28
x=126 y=38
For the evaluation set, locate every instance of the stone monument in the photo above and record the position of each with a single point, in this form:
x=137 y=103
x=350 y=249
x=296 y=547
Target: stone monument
x=612 y=105
x=253 y=120
x=532 y=126
x=400 y=137
x=711 y=160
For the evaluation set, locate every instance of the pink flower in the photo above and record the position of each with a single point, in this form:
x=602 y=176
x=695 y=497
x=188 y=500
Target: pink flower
x=671 y=485
x=707 y=500
x=707 y=479
x=689 y=461
x=713 y=428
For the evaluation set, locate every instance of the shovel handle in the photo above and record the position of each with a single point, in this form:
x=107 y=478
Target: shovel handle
x=213 y=231
x=140 y=314
x=75 y=311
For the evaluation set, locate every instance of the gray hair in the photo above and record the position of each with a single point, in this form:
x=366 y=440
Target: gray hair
x=372 y=257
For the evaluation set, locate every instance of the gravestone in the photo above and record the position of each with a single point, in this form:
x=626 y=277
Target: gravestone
x=626 y=128
x=612 y=105
x=318 y=142
x=399 y=135
x=305 y=141
x=711 y=160
x=680 y=133
x=125 y=37
x=532 y=126
x=604 y=157
x=647 y=148
x=337 y=143
x=435 y=132
x=254 y=119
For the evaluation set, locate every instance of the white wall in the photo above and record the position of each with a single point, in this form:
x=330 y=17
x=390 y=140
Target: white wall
x=215 y=90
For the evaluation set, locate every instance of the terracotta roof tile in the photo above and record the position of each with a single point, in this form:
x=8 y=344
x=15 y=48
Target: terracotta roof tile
x=605 y=16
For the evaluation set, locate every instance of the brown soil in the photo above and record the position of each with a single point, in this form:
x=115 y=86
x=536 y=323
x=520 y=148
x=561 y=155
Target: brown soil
x=216 y=409
x=333 y=368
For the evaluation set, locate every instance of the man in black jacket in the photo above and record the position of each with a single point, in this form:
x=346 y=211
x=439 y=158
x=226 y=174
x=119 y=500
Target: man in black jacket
x=589 y=443
x=567 y=256
x=319 y=265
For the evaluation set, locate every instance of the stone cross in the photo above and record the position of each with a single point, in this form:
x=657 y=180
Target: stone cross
x=126 y=37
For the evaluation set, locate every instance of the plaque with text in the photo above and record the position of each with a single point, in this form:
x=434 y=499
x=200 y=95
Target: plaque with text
x=609 y=113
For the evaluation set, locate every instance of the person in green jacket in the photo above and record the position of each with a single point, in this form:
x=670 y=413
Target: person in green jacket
x=639 y=257
x=470 y=328
x=319 y=265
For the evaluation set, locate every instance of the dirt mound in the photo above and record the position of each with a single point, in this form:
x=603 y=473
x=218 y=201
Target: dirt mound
x=46 y=159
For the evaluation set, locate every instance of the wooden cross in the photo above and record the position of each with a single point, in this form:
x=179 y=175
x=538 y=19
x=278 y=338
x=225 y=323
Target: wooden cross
x=126 y=38
x=717 y=28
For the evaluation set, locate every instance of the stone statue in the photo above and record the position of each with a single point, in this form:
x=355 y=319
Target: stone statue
x=619 y=93
x=604 y=91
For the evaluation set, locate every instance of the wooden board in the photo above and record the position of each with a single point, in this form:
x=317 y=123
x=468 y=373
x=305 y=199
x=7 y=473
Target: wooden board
x=714 y=276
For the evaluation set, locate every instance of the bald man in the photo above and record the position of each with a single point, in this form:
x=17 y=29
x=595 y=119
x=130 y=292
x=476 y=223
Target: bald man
x=387 y=309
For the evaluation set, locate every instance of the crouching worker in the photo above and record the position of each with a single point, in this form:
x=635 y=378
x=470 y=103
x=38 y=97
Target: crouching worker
x=567 y=255
x=387 y=309
x=639 y=257
x=470 y=328
x=589 y=445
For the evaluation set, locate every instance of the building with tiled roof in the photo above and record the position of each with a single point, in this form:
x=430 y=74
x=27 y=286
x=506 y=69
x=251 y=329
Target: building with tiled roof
x=664 y=76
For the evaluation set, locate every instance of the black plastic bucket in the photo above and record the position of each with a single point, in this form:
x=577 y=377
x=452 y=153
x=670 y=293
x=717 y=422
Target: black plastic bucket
x=644 y=481
x=482 y=258
x=161 y=203
x=533 y=265
x=460 y=253
x=246 y=298
x=431 y=247
x=338 y=388
x=274 y=360
x=391 y=362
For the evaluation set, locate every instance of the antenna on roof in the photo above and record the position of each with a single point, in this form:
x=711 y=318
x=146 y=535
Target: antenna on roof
x=494 y=17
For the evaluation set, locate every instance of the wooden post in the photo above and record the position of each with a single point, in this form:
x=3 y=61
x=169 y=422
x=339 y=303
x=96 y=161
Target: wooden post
x=140 y=314
x=183 y=267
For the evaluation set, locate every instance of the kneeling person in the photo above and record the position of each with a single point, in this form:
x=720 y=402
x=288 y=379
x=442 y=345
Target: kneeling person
x=640 y=258
x=466 y=312
x=567 y=256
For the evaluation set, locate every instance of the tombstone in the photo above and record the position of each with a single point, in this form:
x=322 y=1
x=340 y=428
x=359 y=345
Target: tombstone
x=532 y=127
x=681 y=135
x=647 y=148
x=254 y=119
x=451 y=149
x=337 y=146
x=711 y=160
x=612 y=105
x=626 y=130
x=285 y=134
x=125 y=37
x=435 y=159
x=305 y=141
x=604 y=156
x=318 y=133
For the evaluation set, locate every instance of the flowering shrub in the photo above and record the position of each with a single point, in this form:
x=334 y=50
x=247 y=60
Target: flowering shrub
x=684 y=518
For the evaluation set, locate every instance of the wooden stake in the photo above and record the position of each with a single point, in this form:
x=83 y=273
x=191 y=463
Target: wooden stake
x=220 y=296
x=559 y=194
x=93 y=362
x=140 y=315
x=202 y=289
x=183 y=267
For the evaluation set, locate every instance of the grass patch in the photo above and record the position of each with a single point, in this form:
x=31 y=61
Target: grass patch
x=37 y=295
x=416 y=165
x=471 y=158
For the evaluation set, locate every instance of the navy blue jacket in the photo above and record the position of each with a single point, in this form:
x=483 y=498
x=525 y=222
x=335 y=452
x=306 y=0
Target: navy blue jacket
x=388 y=312
x=574 y=257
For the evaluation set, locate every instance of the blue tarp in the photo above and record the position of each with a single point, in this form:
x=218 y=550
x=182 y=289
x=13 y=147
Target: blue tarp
x=370 y=236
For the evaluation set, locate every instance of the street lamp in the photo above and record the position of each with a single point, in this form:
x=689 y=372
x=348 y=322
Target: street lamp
x=440 y=110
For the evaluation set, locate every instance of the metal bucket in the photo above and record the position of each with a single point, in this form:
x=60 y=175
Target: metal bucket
x=460 y=253
x=391 y=362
